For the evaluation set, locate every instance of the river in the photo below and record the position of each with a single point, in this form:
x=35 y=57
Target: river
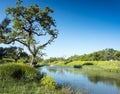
x=85 y=83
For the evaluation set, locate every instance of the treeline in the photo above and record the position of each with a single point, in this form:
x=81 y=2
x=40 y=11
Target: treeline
x=11 y=54
x=15 y=54
x=102 y=55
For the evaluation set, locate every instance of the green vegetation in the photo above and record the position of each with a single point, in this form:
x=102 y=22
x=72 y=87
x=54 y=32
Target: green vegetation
x=21 y=87
x=103 y=55
x=53 y=60
x=13 y=54
x=21 y=78
x=109 y=66
x=48 y=82
x=19 y=72
x=104 y=60
x=27 y=25
x=28 y=80
x=77 y=66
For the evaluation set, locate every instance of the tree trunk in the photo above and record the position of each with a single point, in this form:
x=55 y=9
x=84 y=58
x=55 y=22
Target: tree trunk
x=33 y=61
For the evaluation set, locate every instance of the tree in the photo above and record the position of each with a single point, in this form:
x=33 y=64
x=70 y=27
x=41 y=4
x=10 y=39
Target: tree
x=27 y=25
x=117 y=56
x=2 y=52
x=16 y=53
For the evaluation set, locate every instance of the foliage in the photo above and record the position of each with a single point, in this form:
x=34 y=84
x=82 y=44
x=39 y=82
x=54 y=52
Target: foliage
x=23 y=79
x=39 y=59
x=2 y=52
x=21 y=87
x=103 y=55
x=19 y=71
x=72 y=58
x=88 y=63
x=16 y=53
x=48 y=82
x=53 y=60
x=6 y=60
x=77 y=66
x=109 y=66
x=13 y=54
x=27 y=25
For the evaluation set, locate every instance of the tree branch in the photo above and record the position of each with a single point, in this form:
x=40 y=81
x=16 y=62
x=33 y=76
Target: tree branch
x=45 y=44
x=40 y=34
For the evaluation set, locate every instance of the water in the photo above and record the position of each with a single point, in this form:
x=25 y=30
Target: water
x=85 y=83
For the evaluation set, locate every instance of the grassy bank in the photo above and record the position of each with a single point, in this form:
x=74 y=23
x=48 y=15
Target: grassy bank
x=109 y=66
x=23 y=79
x=21 y=87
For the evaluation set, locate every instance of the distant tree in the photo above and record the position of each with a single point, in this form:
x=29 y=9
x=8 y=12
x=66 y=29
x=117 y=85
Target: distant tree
x=16 y=53
x=103 y=55
x=109 y=54
x=39 y=59
x=117 y=56
x=27 y=25
x=53 y=60
x=2 y=52
x=72 y=58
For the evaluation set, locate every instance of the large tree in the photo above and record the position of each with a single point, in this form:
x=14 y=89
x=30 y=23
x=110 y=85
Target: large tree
x=31 y=26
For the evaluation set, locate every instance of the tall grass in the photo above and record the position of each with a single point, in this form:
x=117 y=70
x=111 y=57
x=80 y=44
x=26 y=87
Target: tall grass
x=23 y=79
x=12 y=87
x=110 y=66
x=19 y=72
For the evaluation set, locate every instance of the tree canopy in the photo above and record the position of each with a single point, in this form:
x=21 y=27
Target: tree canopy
x=27 y=25
x=3 y=52
x=102 y=55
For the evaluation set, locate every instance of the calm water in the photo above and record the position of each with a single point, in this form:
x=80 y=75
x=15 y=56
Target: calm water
x=87 y=84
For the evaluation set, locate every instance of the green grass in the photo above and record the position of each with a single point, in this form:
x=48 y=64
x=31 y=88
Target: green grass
x=21 y=87
x=14 y=71
x=23 y=79
x=109 y=66
x=6 y=60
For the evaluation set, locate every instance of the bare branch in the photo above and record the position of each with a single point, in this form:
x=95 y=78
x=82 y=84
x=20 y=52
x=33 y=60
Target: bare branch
x=40 y=34
x=45 y=44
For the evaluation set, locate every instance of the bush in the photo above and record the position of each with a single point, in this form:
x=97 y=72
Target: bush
x=77 y=66
x=48 y=82
x=88 y=63
x=19 y=71
x=6 y=60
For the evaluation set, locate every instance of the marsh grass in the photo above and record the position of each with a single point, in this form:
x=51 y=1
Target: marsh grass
x=108 y=66
x=21 y=87
x=23 y=79
x=19 y=72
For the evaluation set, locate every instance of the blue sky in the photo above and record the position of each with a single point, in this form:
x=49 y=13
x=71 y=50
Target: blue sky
x=84 y=26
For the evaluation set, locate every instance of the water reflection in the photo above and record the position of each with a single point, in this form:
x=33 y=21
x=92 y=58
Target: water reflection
x=52 y=70
x=106 y=80
x=88 y=84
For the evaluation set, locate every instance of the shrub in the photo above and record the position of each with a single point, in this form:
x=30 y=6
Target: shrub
x=48 y=82
x=19 y=71
x=88 y=63
x=77 y=66
x=6 y=60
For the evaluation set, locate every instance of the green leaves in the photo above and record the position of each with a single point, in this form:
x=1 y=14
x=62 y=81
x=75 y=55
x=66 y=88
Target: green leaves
x=48 y=82
x=28 y=25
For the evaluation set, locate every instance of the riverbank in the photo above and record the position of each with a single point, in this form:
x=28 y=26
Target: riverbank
x=108 y=66
x=21 y=87
x=85 y=81
x=23 y=79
